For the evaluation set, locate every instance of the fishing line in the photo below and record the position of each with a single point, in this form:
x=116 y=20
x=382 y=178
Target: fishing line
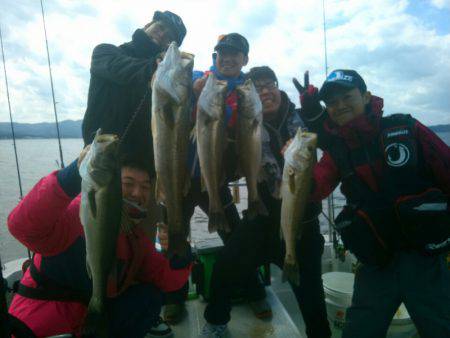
x=12 y=125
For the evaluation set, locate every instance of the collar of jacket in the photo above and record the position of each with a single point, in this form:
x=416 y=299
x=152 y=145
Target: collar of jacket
x=286 y=109
x=142 y=45
x=362 y=129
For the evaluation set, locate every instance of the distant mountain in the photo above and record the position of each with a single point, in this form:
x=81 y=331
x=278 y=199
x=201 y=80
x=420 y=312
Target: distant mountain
x=72 y=129
x=67 y=129
x=440 y=128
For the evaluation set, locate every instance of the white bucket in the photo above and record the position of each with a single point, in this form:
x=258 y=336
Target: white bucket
x=338 y=287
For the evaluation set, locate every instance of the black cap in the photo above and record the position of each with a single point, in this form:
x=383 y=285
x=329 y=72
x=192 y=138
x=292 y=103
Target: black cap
x=234 y=41
x=263 y=72
x=342 y=78
x=174 y=21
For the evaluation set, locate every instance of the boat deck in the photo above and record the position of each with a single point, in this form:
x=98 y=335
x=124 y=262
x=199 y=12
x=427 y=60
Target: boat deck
x=243 y=323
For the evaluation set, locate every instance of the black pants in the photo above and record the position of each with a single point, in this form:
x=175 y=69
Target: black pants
x=133 y=313
x=255 y=243
x=196 y=197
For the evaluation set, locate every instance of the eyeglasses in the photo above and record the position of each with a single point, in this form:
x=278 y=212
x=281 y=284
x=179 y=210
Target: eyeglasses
x=268 y=85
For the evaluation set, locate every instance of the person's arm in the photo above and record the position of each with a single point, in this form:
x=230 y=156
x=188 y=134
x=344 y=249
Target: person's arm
x=164 y=274
x=325 y=178
x=45 y=221
x=111 y=63
x=436 y=156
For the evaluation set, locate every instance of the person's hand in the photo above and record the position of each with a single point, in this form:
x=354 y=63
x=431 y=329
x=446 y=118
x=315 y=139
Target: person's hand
x=163 y=235
x=309 y=97
x=83 y=155
x=282 y=151
x=198 y=85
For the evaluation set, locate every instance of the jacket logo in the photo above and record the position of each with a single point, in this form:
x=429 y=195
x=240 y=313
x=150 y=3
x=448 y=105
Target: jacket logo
x=397 y=154
x=397 y=133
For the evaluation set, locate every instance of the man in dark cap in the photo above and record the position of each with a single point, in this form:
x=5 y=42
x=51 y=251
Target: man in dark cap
x=230 y=56
x=119 y=98
x=119 y=86
x=395 y=175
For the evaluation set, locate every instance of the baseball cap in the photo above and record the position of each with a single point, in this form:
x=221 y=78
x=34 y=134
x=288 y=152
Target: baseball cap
x=342 y=78
x=233 y=40
x=262 y=72
x=174 y=21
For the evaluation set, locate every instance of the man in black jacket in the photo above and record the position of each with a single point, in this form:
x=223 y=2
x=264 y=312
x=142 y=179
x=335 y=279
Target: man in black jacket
x=119 y=84
x=256 y=242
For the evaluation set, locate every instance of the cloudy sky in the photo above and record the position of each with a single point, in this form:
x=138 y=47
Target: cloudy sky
x=400 y=47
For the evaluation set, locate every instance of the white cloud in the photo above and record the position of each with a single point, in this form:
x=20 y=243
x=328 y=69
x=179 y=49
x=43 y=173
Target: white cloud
x=400 y=57
x=441 y=4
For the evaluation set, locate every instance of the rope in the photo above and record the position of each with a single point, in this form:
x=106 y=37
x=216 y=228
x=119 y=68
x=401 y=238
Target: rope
x=133 y=118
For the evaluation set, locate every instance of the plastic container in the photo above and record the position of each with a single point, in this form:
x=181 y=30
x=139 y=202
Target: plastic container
x=338 y=287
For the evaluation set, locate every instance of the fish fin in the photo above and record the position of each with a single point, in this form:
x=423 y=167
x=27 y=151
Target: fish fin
x=256 y=208
x=290 y=272
x=202 y=183
x=92 y=203
x=159 y=195
x=193 y=134
x=291 y=173
x=218 y=221
x=88 y=269
x=187 y=184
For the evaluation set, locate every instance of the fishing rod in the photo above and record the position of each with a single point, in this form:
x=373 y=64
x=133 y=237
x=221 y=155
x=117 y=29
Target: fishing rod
x=12 y=124
x=53 y=90
x=330 y=199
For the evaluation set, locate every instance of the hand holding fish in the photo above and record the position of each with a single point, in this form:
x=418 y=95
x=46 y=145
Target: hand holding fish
x=83 y=155
x=163 y=235
x=198 y=85
x=288 y=142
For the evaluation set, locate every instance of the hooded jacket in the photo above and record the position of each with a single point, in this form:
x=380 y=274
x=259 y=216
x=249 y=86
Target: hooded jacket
x=47 y=222
x=119 y=85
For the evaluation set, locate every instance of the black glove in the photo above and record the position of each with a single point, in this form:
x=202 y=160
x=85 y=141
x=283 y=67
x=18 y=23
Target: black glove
x=309 y=100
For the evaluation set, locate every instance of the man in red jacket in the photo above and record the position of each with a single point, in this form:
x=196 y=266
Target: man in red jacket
x=395 y=175
x=55 y=289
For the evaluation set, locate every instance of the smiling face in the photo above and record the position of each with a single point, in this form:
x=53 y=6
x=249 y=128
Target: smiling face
x=229 y=62
x=344 y=104
x=160 y=33
x=136 y=186
x=270 y=96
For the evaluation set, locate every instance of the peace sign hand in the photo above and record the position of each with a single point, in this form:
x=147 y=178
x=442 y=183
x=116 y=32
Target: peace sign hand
x=297 y=84
x=309 y=98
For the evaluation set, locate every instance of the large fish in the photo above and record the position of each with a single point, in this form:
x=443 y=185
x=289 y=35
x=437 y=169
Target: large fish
x=100 y=214
x=249 y=144
x=171 y=127
x=299 y=160
x=211 y=142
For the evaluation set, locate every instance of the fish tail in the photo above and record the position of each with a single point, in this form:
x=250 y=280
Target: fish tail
x=218 y=221
x=291 y=272
x=256 y=208
x=95 y=323
x=178 y=246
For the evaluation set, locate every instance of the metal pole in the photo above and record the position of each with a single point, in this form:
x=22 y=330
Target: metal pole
x=53 y=90
x=12 y=125
x=10 y=116
x=330 y=199
x=325 y=38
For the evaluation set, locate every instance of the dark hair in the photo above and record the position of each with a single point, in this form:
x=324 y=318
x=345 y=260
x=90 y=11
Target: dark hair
x=174 y=21
x=138 y=161
x=262 y=72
